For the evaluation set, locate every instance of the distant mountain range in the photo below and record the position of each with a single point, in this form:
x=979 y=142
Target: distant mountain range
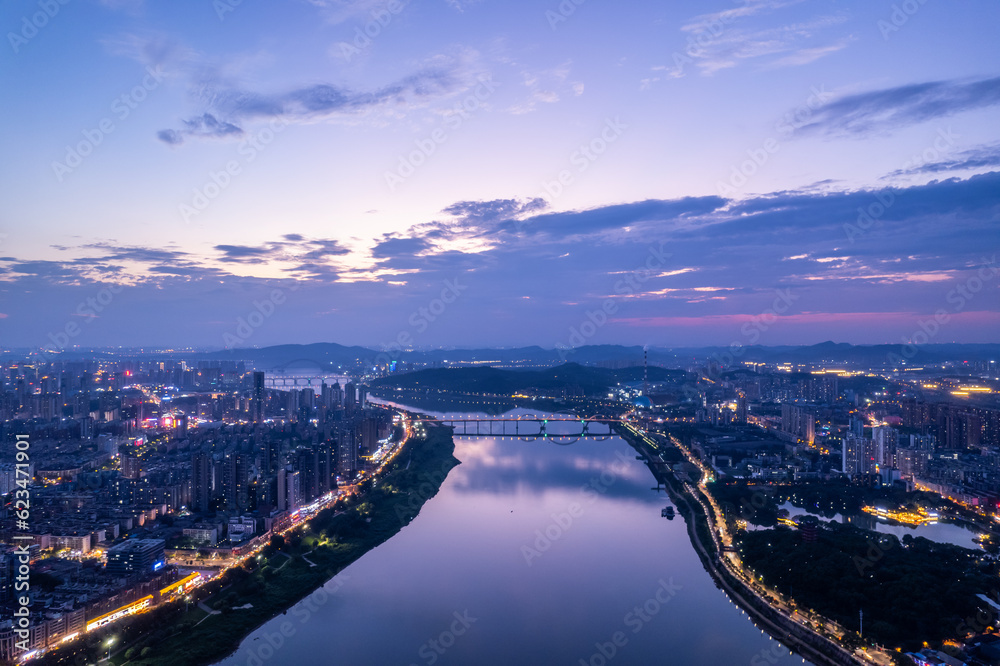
x=506 y=382
x=330 y=356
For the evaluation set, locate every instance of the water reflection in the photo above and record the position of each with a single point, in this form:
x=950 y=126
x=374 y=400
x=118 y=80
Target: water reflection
x=532 y=553
x=956 y=534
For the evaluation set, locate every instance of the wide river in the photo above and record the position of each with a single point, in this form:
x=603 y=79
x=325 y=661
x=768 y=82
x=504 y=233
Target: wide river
x=531 y=553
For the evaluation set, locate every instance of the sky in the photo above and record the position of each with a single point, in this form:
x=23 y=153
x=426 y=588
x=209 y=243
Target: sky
x=241 y=173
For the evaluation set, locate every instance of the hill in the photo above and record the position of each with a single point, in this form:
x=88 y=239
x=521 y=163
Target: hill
x=591 y=381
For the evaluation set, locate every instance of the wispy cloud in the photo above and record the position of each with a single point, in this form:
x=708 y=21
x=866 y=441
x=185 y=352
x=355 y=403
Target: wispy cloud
x=881 y=111
x=722 y=40
x=339 y=11
x=981 y=157
x=546 y=87
x=227 y=105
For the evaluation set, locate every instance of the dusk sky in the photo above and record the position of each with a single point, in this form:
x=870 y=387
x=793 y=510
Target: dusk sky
x=669 y=171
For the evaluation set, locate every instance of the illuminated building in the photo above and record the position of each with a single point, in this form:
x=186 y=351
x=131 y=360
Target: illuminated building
x=131 y=467
x=136 y=557
x=201 y=481
x=350 y=396
x=257 y=400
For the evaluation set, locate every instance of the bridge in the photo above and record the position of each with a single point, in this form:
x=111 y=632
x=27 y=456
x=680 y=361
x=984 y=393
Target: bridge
x=282 y=381
x=531 y=428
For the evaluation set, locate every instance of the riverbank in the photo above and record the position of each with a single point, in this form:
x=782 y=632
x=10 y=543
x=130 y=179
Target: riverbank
x=291 y=567
x=698 y=518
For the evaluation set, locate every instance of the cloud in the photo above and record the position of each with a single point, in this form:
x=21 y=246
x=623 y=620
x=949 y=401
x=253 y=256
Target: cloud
x=544 y=87
x=203 y=126
x=981 y=157
x=532 y=273
x=114 y=252
x=394 y=247
x=244 y=254
x=711 y=22
x=808 y=55
x=462 y=5
x=230 y=106
x=340 y=11
x=719 y=41
x=294 y=248
x=880 y=111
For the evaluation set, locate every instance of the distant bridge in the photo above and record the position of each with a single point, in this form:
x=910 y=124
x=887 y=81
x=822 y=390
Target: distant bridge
x=531 y=428
x=303 y=381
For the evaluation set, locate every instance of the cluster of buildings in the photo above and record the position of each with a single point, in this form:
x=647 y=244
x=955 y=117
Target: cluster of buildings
x=782 y=423
x=146 y=473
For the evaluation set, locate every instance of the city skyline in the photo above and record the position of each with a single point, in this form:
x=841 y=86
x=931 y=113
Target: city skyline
x=475 y=174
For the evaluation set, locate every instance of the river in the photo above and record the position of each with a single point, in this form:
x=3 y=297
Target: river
x=531 y=553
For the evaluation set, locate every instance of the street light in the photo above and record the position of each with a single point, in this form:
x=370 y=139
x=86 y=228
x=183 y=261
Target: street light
x=111 y=641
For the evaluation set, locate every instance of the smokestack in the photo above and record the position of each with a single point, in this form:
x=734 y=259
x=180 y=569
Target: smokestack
x=645 y=372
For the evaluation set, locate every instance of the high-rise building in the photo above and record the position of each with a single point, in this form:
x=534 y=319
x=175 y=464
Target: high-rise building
x=307 y=465
x=201 y=481
x=350 y=396
x=799 y=421
x=258 y=399
x=293 y=490
x=886 y=441
x=858 y=456
x=281 y=489
x=235 y=480
x=292 y=405
x=131 y=467
x=327 y=467
x=347 y=453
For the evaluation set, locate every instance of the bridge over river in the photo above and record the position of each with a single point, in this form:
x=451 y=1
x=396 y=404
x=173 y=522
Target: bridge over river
x=559 y=429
